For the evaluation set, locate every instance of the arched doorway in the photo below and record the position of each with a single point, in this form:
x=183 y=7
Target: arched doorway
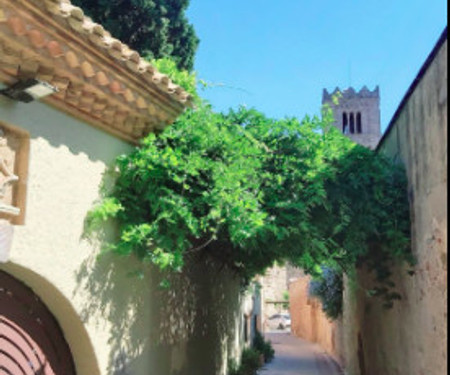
x=31 y=341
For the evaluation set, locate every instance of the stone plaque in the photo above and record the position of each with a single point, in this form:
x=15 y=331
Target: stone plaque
x=14 y=145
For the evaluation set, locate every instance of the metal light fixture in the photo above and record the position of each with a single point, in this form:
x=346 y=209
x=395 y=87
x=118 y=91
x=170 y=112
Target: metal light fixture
x=29 y=90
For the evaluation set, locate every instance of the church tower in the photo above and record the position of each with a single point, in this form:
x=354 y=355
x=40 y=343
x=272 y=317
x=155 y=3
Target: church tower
x=357 y=114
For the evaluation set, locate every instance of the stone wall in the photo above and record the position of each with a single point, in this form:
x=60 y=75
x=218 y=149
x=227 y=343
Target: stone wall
x=411 y=338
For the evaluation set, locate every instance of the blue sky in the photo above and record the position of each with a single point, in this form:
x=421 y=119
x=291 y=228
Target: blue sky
x=277 y=56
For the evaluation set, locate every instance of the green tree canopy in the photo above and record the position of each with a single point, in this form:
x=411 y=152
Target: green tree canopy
x=155 y=28
x=249 y=190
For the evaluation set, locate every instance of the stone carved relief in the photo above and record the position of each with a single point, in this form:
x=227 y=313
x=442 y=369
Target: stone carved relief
x=13 y=166
x=8 y=177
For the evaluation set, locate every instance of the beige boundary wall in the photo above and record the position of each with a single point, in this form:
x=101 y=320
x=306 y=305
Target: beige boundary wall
x=411 y=338
x=309 y=322
x=114 y=322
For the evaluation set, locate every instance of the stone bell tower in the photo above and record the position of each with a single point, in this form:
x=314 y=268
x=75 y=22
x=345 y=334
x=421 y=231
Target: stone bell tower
x=357 y=114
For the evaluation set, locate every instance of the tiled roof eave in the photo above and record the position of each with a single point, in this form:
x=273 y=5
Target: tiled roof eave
x=135 y=69
x=116 y=89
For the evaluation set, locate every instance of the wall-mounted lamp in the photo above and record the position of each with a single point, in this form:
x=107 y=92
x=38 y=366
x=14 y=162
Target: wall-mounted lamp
x=29 y=90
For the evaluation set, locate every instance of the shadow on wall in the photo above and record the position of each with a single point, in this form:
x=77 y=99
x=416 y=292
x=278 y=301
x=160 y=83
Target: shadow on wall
x=188 y=329
x=61 y=130
x=115 y=302
x=217 y=326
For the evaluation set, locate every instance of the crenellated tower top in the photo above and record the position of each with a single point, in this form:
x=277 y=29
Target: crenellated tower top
x=351 y=93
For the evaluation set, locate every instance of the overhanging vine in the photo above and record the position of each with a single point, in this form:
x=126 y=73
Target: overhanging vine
x=250 y=190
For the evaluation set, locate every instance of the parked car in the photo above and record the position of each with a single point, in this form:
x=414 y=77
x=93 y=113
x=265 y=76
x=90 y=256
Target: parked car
x=279 y=321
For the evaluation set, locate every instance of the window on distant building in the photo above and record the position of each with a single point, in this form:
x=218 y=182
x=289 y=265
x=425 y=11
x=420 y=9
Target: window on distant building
x=344 y=123
x=352 y=123
x=358 y=123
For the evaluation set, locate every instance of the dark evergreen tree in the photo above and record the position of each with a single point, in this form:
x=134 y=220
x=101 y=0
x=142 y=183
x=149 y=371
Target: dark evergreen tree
x=155 y=28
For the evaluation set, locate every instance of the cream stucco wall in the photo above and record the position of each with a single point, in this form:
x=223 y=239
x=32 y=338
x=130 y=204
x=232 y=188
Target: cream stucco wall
x=66 y=162
x=114 y=321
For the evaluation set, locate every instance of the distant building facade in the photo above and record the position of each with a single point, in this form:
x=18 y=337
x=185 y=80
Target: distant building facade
x=357 y=114
x=274 y=291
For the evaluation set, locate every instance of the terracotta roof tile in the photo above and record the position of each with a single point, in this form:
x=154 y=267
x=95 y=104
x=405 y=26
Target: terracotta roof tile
x=37 y=39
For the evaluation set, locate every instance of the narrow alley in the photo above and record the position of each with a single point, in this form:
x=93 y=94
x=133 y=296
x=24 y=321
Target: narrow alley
x=294 y=356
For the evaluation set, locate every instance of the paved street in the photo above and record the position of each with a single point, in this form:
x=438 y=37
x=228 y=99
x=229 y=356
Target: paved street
x=294 y=356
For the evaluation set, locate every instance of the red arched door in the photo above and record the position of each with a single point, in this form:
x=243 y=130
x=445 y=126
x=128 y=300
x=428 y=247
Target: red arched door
x=31 y=341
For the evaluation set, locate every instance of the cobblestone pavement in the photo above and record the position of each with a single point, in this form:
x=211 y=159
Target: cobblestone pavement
x=294 y=356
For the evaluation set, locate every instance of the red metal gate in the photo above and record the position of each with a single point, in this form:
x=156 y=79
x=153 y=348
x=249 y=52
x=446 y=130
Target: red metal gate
x=31 y=341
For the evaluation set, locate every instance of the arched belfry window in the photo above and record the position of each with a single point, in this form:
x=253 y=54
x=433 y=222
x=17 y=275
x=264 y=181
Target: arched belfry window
x=358 y=123
x=344 y=123
x=352 y=123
